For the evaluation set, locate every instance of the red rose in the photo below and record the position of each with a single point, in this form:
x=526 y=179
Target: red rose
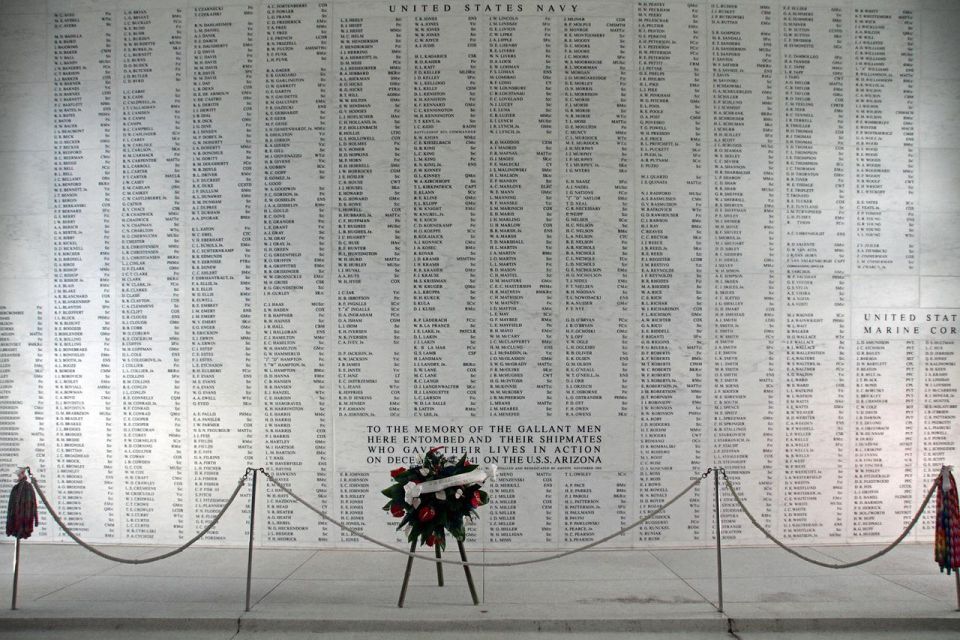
x=426 y=514
x=397 y=471
x=397 y=510
x=431 y=540
x=466 y=461
x=475 y=499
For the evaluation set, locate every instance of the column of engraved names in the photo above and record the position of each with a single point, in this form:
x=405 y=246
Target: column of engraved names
x=519 y=157
x=522 y=507
x=368 y=224
x=23 y=421
x=520 y=97
x=939 y=434
x=596 y=267
x=592 y=501
x=588 y=507
x=367 y=220
x=885 y=142
x=744 y=248
x=815 y=280
x=885 y=428
x=597 y=246
x=11 y=415
x=85 y=441
x=151 y=85
x=520 y=207
x=445 y=219
x=885 y=405
x=671 y=258
x=580 y=508
x=294 y=55
x=221 y=59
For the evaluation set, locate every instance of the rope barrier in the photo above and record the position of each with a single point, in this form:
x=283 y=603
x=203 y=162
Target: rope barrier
x=432 y=559
x=829 y=565
x=94 y=550
x=435 y=560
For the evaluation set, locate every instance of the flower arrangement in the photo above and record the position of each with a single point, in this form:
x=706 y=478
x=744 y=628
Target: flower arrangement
x=435 y=496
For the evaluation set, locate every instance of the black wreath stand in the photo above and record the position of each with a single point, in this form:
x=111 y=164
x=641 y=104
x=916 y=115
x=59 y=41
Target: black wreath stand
x=436 y=548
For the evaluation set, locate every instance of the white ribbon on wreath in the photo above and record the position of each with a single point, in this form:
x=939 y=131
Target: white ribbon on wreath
x=412 y=491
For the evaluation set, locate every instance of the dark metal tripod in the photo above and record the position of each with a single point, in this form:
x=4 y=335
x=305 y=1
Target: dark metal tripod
x=466 y=570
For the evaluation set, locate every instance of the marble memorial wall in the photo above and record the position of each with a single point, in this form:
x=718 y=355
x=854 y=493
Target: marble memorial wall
x=605 y=245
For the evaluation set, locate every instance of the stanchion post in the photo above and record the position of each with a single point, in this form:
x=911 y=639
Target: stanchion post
x=716 y=512
x=253 y=510
x=956 y=576
x=16 y=575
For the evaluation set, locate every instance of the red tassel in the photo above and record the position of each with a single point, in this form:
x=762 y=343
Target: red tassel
x=22 y=514
x=947 y=534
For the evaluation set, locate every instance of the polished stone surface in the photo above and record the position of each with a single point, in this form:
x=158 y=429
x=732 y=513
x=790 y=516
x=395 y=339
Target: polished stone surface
x=67 y=592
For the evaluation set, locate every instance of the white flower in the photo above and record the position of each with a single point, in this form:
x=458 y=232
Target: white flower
x=441 y=495
x=424 y=471
x=459 y=493
x=411 y=491
x=492 y=475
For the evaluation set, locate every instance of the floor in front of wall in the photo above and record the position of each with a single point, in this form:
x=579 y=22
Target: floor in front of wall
x=67 y=592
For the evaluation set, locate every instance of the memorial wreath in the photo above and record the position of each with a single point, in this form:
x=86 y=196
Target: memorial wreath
x=436 y=495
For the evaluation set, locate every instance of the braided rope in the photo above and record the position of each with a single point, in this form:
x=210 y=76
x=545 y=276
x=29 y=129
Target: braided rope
x=433 y=559
x=94 y=550
x=828 y=565
x=390 y=547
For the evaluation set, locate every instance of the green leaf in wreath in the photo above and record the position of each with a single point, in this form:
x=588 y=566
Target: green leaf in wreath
x=393 y=492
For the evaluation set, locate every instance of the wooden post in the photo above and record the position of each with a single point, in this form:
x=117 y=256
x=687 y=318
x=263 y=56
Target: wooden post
x=406 y=574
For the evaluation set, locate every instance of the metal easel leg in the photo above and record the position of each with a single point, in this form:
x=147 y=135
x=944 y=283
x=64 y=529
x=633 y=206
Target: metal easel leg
x=436 y=548
x=406 y=575
x=466 y=570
